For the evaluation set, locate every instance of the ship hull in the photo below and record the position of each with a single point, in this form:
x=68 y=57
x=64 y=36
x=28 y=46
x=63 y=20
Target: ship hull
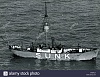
x=91 y=55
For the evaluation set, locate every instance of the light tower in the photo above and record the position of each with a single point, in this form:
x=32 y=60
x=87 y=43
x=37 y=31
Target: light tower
x=45 y=24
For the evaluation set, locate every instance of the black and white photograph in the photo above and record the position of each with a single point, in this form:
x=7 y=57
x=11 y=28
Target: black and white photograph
x=49 y=34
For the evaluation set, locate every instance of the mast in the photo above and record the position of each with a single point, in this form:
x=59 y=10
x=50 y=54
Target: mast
x=46 y=10
x=45 y=24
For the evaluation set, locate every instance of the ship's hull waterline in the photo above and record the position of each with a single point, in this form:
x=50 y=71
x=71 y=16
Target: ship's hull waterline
x=91 y=55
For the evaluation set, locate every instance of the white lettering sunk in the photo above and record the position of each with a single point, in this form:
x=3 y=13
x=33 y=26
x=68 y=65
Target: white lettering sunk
x=67 y=56
x=47 y=55
x=38 y=55
x=57 y=56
